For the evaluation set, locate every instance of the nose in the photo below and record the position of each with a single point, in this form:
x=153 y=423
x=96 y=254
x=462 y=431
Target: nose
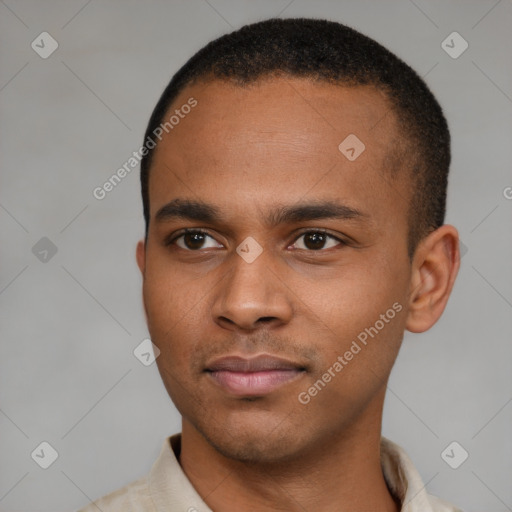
x=252 y=295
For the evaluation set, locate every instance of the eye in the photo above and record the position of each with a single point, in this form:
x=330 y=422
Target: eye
x=193 y=240
x=196 y=239
x=315 y=240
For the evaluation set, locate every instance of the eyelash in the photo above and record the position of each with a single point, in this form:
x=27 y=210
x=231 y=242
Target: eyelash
x=171 y=241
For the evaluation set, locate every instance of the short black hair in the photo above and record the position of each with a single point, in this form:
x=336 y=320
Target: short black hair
x=330 y=52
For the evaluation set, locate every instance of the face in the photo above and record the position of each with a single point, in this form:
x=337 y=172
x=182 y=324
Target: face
x=280 y=312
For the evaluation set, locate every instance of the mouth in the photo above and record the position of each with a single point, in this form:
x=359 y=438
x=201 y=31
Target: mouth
x=255 y=376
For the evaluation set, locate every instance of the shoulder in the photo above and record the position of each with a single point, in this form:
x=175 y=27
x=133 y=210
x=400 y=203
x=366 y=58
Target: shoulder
x=439 y=505
x=405 y=482
x=134 y=497
x=164 y=488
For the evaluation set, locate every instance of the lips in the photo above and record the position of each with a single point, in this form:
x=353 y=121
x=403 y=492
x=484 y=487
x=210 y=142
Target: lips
x=251 y=377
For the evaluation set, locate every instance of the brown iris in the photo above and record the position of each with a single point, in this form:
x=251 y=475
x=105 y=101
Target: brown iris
x=314 y=240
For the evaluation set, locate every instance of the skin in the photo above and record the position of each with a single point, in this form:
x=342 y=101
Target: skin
x=247 y=151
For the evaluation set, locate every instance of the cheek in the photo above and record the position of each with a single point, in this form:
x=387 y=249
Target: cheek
x=362 y=304
x=350 y=295
x=358 y=338
x=174 y=314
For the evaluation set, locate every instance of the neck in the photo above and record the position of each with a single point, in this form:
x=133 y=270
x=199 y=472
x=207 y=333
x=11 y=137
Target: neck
x=339 y=474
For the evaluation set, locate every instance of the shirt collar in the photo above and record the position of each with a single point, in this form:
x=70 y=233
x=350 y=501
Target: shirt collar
x=169 y=487
x=403 y=479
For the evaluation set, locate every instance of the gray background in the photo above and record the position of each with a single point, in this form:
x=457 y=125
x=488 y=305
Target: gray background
x=68 y=375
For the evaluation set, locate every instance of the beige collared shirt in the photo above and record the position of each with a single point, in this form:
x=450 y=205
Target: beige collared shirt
x=167 y=489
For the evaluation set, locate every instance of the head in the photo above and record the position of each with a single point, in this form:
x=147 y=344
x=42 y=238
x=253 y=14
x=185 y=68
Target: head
x=310 y=168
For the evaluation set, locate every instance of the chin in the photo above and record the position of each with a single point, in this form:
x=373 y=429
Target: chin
x=256 y=442
x=253 y=449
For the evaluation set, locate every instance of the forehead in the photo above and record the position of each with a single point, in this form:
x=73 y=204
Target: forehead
x=315 y=113
x=277 y=139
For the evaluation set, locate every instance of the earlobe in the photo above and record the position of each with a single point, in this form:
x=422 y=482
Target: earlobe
x=434 y=269
x=141 y=256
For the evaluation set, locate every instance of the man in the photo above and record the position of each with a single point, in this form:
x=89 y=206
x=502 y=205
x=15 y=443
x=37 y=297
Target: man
x=294 y=181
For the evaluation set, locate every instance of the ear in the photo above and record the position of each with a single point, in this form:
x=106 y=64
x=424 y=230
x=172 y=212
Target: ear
x=435 y=265
x=141 y=256
x=141 y=262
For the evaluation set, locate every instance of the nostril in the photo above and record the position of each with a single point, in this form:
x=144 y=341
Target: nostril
x=225 y=319
x=266 y=319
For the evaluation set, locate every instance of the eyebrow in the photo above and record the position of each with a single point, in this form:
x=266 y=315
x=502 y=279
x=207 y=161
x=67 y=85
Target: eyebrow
x=206 y=212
